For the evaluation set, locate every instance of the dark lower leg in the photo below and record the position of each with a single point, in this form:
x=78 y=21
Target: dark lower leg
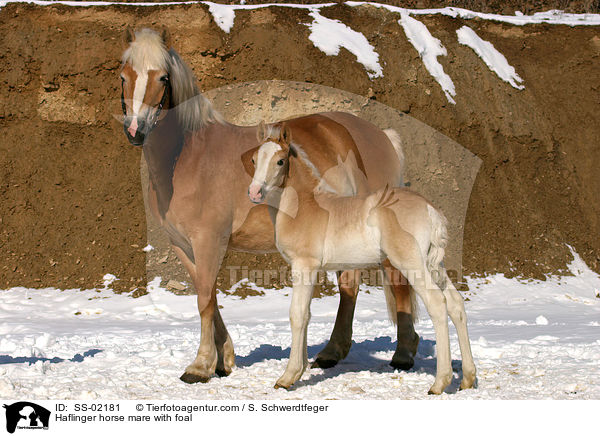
x=341 y=338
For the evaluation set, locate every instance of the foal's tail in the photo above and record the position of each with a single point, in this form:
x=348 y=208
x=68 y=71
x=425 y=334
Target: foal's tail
x=437 y=247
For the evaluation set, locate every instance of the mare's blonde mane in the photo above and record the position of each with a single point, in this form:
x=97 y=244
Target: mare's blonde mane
x=148 y=51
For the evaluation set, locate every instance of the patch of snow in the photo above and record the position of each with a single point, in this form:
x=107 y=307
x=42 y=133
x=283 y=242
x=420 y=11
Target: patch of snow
x=222 y=14
x=541 y=320
x=492 y=57
x=549 y=17
x=109 y=279
x=429 y=49
x=330 y=35
x=148 y=248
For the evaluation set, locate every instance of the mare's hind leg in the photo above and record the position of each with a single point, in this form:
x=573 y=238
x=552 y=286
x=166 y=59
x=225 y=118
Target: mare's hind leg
x=456 y=310
x=341 y=338
x=225 y=353
x=408 y=339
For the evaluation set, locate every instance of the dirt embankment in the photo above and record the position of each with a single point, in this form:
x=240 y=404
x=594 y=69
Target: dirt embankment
x=71 y=205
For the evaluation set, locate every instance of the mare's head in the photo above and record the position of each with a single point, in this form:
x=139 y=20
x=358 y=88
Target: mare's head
x=145 y=83
x=155 y=79
x=271 y=160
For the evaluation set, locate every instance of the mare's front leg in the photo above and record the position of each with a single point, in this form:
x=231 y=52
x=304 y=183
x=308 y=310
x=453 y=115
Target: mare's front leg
x=304 y=281
x=341 y=338
x=215 y=353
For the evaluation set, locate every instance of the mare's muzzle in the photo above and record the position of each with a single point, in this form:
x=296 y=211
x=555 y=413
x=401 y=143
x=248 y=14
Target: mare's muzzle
x=140 y=133
x=144 y=126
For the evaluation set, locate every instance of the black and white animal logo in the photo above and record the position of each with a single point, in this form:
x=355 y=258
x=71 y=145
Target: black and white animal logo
x=26 y=415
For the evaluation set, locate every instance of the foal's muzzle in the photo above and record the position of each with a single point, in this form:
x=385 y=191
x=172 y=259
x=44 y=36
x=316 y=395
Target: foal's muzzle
x=256 y=194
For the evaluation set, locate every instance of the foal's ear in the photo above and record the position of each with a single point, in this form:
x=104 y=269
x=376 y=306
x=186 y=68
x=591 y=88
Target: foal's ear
x=261 y=132
x=166 y=37
x=129 y=35
x=285 y=134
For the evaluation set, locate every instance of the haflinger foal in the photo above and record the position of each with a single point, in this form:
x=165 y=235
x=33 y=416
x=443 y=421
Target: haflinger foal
x=317 y=230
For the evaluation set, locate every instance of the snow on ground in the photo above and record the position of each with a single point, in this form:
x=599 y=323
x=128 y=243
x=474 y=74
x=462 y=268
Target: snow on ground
x=492 y=57
x=429 y=49
x=533 y=340
x=330 y=35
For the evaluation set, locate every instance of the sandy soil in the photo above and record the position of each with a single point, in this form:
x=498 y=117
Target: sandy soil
x=71 y=205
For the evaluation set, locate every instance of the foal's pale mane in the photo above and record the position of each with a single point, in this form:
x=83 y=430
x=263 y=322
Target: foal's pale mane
x=148 y=51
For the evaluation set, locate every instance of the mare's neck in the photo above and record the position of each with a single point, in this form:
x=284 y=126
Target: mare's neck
x=161 y=150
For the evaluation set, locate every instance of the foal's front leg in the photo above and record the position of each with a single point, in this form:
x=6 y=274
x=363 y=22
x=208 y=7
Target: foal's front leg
x=304 y=280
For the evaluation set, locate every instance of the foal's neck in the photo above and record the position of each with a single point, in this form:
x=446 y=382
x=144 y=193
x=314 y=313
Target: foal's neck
x=302 y=177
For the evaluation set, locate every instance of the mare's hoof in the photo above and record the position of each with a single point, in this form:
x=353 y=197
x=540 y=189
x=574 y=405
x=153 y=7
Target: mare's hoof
x=222 y=372
x=278 y=386
x=402 y=360
x=323 y=363
x=193 y=378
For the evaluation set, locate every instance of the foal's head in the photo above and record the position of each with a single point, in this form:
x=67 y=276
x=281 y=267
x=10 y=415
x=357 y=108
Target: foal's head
x=145 y=82
x=271 y=160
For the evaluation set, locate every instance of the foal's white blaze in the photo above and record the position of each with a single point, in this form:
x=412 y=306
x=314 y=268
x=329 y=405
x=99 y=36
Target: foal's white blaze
x=265 y=154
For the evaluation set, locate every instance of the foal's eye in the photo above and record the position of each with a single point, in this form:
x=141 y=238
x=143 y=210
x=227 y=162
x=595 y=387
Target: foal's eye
x=253 y=163
x=280 y=162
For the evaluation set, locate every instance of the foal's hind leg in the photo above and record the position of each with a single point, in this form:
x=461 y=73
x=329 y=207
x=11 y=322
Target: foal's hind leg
x=341 y=338
x=456 y=310
x=404 y=253
x=435 y=302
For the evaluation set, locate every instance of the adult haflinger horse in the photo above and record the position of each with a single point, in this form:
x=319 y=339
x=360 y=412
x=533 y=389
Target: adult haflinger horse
x=199 y=169
x=316 y=229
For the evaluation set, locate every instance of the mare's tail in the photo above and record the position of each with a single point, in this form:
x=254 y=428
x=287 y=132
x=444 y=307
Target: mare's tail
x=396 y=141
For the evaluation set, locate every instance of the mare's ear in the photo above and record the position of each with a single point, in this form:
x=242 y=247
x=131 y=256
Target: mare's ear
x=166 y=37
x=261 y=132
x=129 y=36
x=285 y=134
x=247 y=161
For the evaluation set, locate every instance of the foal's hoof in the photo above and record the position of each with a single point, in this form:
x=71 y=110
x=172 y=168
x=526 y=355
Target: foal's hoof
x=193 y=378
x=278 y=386
x=323 y=363
x=402 y=360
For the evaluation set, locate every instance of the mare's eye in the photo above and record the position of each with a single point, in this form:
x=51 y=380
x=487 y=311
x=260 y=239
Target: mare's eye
x=280 y=162
x=253 y=163
x=164 y=79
